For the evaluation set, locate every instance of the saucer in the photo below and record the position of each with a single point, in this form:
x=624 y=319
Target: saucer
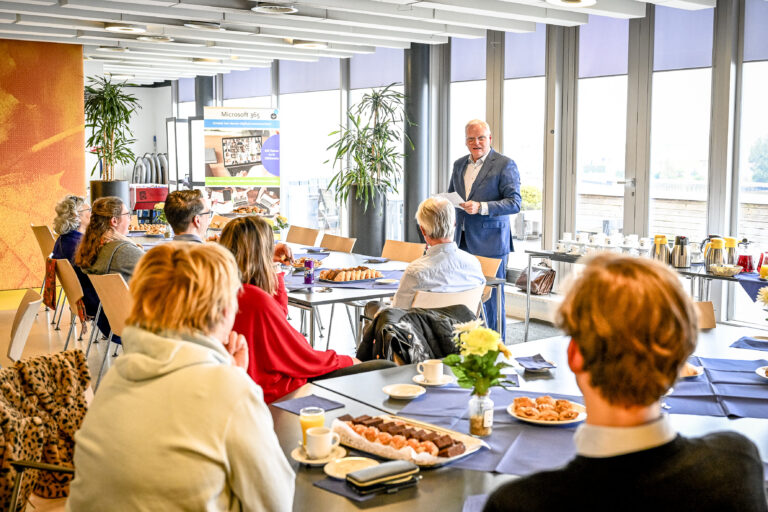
x=445 y=379
x=403 y=391
x=762 y=371
x=339 y=468
x=299 y=455
x=386 y=281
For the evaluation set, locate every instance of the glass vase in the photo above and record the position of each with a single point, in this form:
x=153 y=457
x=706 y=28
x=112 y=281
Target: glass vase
x=480 y=415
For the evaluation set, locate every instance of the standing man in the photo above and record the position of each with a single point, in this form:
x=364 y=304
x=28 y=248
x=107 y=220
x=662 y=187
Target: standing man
x=489 y=183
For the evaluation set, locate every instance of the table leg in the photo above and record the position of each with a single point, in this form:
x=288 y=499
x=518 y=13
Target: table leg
x=500 y=315
x=312 y=327
x=528 y=299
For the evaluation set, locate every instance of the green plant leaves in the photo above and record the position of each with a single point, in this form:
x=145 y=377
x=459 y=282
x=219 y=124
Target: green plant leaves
x=479 y=373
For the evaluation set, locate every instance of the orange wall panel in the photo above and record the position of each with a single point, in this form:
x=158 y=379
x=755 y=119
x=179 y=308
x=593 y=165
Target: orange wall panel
x=42 y=148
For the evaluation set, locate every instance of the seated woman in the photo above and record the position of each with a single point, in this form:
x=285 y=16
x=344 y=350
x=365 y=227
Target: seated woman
x=105 y=249
x=281 y=359
x=176 y=424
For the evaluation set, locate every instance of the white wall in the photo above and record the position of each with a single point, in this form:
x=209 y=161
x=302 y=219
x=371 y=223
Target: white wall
x=148 y=122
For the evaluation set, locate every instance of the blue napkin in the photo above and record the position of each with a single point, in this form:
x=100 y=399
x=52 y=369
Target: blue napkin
x=732 y=365
x=297 y=404
x=315 y=249
x=536 y=362
x=340 y=487
x=750 y=343
x=315 y=255
x=501 y=438
x=526 y=455
x=721 y=377
x=475 y=503
x=745 y=407
x=758 y=390
x=697 y=405
x=693 y=387
x=751 y=283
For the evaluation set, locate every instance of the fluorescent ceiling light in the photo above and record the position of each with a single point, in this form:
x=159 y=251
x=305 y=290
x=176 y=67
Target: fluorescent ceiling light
x=124 y=28
x=203 y=25
x=113 y=49
x=306 y=44
x=274 y=8
x=206 y=60
x=119 y=76
x=156 y=39
x=572 y=3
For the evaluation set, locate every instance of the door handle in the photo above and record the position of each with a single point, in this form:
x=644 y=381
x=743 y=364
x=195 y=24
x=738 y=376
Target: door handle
x=629 y=182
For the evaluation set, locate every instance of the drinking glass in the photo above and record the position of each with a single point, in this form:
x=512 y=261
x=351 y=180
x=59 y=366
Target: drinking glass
x=310 y=417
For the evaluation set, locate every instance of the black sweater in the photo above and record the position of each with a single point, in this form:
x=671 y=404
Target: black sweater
x=718 y=472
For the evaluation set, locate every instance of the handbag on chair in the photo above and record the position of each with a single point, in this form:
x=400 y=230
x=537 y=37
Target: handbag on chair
x=542 y=279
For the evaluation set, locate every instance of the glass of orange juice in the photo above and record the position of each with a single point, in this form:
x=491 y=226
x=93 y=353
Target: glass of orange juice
x=310 y=417
x=764 y=271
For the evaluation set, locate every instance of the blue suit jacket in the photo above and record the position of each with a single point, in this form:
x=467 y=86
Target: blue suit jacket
x=498 y=184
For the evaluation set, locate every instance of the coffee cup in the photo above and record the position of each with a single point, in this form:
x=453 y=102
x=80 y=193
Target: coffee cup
x=645 y=242
x=320 y=442
x=567 y=237
x=560 y=247
x=582 y=238
x=431 y=370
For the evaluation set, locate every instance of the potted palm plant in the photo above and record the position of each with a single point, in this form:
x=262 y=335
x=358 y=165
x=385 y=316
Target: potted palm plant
x=108 y=111
x=370 y=155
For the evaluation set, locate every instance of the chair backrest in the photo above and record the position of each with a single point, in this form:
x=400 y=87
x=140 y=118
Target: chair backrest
x=402 y=251
x=431 y=300
x=44 y=239
x=304 y=236
x=338 y=243
x=22 y=323
x=69 y=281
x=116 y=300
x=489 y=265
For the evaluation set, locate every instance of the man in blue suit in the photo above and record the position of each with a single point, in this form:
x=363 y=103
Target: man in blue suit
x=489 y=183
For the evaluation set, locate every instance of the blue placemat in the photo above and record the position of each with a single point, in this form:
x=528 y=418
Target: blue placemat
x=750 y=343
x=340 y=487
x=751 y=283
x=297 y=404
x=536 y=362
x=295 y=281
x=698 y=405
x=740 y=407
x=314 y=255
x=500 y=440
x=315 y=249
x=526 y=456
x=723 y=377
x=732 y=365
x=475 y=503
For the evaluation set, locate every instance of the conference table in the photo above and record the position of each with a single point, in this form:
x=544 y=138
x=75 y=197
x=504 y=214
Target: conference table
x=447 y=488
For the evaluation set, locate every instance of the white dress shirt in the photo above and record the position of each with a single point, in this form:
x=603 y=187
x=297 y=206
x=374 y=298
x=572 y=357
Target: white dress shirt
x=600 y=441
x=470 y=175
x=443 y=269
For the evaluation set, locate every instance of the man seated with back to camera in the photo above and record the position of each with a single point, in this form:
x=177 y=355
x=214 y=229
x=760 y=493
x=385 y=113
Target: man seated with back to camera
x=632 y=328
x=189 y=214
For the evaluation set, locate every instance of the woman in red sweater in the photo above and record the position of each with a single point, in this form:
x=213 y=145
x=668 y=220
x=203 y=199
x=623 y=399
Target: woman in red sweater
x=281 y=359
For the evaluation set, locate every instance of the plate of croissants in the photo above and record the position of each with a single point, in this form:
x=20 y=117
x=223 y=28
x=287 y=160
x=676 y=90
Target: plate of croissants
x=345 y=275
x=545 y=410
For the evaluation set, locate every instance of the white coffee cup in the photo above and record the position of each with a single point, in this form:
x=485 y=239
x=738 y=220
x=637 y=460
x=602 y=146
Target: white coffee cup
x=431 y=369
x=582 y=238
x=560 y=247
x=320 y=442
x=567 y=237
x=645 y=242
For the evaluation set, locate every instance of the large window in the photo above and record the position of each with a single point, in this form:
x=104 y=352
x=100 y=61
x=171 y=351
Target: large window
x=467 y=90
x=680 y=117
x=601 y=125
x=524 y=123
x=186 y=98
x=248 y=89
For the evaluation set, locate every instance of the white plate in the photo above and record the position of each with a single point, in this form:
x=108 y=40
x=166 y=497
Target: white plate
x=699 y=371
x=581 y=417
x=404 y=391
x=445 y=379
x=299 y=455
x=762 y=371
x=387 y=281
x=339 y=468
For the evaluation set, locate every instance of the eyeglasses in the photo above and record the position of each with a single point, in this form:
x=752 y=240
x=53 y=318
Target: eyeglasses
x=126 y=213
x=84 y=210
x=481 y=138
x=208 y=213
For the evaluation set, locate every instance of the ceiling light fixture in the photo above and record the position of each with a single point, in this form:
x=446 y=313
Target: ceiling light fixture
x=273 y=8
x=572 y=3
x=203 y=25
x=123 y=28
x=119 y=76
x=113 y=49
x=205 y=60
x=156 y=39
x=309 y=45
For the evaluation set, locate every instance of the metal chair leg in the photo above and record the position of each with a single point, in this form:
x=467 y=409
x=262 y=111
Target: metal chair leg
x=318 y=323
x=92 y=339
x=351 y=322
x=117 y=347
x=59 y=307
x=61 y=312
x=69 y=334
x=330 y=326
x=16 y=489
x=103 y=362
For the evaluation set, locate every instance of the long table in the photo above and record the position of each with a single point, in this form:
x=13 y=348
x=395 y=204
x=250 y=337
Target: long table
x=446 y=488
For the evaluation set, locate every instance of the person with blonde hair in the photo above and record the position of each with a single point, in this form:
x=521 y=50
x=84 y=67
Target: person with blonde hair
x=444 y=268
x=73 y=214
x=176 y=423
x=281 y=359
x=632 y=328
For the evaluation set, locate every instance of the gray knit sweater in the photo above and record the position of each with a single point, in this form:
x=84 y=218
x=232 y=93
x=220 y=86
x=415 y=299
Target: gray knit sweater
x=126 y=256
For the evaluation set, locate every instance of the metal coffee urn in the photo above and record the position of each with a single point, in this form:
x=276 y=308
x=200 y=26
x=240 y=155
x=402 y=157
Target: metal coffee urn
x=660 y=248
x=680 y=258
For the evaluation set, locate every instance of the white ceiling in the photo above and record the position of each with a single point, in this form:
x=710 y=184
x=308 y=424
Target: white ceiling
x=251 y=39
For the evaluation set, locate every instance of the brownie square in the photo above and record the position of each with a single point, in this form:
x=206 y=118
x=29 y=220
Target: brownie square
x=386 y=426
x=430 y=436
x=443 y=441
x=452 y=451
x=373 y=422
x=409 y=433
x=346 y=417
x=397 y=430
x=419 y=434
x=360 y=419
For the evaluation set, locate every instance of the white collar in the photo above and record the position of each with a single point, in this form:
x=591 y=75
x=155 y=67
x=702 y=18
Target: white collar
x=600 y=441
x=481 y=159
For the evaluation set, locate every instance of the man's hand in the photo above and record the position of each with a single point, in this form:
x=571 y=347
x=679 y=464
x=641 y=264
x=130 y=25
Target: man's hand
x=471 y=207
x=283 y=254
x=238 y=350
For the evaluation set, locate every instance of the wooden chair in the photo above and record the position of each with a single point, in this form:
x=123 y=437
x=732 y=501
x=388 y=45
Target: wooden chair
x=303 y=236
x=338 y=243
x=116 y=303
x=74 y=293
x=430 y=300
x=22 y=323
x=402 y=251
x=46 y=241
x=490 y=266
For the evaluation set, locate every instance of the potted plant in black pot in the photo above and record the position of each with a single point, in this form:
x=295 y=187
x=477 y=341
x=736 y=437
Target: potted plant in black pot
x=370 y=152
x=108 y=111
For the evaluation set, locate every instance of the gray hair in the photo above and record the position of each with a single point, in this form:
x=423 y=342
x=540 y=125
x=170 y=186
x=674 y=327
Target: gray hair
x=436 y=217
x=67 y=218
x=478 y=122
